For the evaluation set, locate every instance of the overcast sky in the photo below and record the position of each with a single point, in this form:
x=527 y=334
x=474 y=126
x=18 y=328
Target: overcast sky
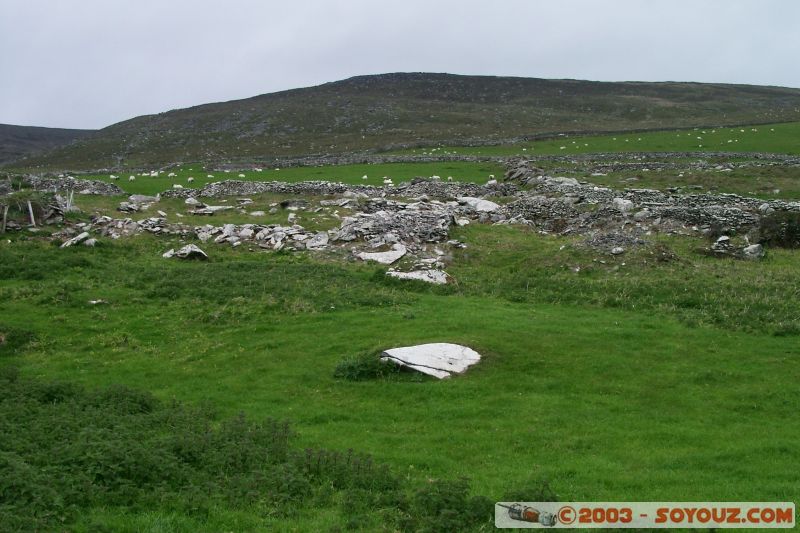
x=91 y=63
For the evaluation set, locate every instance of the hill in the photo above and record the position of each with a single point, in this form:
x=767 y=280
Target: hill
x=20 y=141
x=407 y=109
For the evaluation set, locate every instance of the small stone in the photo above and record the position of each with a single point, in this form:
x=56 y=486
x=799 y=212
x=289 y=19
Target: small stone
x=617 y=250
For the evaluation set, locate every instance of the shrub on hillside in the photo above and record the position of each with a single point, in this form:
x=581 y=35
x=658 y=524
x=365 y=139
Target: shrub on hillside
x=780 y=229
x=66 y=450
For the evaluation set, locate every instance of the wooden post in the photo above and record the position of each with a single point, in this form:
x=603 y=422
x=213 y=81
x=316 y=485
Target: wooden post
x=30 y=212
x=5 y=217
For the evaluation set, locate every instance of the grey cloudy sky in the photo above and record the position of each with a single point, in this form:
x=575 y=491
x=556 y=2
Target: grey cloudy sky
x=90 y=63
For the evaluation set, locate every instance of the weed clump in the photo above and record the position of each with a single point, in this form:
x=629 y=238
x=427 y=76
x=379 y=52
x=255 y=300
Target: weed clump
x=364 y=366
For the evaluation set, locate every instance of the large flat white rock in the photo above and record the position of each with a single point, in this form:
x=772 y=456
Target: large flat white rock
x=385 y=258
x=439 y=359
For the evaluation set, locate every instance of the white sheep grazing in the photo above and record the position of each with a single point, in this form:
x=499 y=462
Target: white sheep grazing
x=491 y=182
x=241 y=175
x=113 y=177
x=435 y=177
x=132 y=178
x=387 y=181
x=171 y=175
x=177 y=186
x=449 y=178
x=364 y=177
x=190 y=179
x=258 y=169
x=491 y=176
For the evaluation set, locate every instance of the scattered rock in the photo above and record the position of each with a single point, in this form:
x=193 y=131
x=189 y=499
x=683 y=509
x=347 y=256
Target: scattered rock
x=437 y=277
x=75 y=240
x=143 y=199
x=318 y=241
x=191 y=251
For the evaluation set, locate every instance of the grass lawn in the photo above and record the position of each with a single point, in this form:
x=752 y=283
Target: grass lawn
x=633 y=380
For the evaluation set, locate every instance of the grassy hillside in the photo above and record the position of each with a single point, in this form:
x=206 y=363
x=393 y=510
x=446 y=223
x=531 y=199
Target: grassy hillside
x=21 y=141
x=781 y=138
x=617 y=383
x=371 y=112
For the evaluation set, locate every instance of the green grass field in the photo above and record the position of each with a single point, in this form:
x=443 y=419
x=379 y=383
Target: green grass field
x=352 y=174
x=781 y=138
x=622 y=382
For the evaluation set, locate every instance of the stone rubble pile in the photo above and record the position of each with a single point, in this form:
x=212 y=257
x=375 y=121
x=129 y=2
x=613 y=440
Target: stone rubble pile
x=564 y=205
x=724 y=246
x=66 y=184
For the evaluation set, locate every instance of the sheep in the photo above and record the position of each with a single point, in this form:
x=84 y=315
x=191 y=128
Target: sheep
x=364 y=177
x=177 y=186
x=449 y=178
x=190 y=179
x=171 y=175
x=132 y=178
x=242 y=175
x=387 y=181
x=113 y=177
x=258 y=169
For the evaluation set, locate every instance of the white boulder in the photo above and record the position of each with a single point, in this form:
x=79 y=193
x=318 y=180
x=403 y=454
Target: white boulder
x=439 y=359
x=384 y=258
x=479 y=204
